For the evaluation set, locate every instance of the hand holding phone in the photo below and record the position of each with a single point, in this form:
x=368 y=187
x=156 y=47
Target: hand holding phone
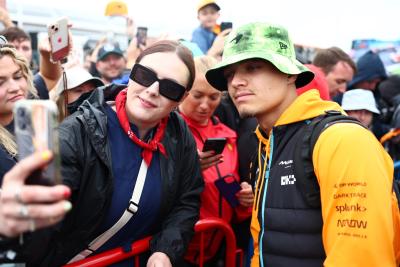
x=59 y=39
x=226 y=25
x=35 y=124
x=215 y=144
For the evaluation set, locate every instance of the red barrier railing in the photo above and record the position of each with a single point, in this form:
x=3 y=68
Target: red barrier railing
x=118 y=254
x=114 y=255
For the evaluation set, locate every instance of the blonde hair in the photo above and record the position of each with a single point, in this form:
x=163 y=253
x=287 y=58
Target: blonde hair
x=22 y=63
x=204 y=63
x=6 y=138
x=7 y=141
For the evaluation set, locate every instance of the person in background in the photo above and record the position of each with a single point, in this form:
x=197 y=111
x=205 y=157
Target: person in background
x=360 y=104
x=338 y=68
x=197 y=110
x=15 y=84
x=208 y=36
x=370 y=72
x=103 y=146
x=319 y=82
x=357 y=210
x=48 y=73
x=110 y=62
x=21 y=41
x=79 y=85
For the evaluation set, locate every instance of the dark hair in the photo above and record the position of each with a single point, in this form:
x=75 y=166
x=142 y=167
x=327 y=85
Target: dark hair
x=15 y=34
x=175 y=47
x=326 y=59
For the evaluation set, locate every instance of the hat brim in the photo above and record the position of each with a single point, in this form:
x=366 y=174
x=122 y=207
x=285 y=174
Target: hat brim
x=60 y=88
x=109 y=53
x=215 y=76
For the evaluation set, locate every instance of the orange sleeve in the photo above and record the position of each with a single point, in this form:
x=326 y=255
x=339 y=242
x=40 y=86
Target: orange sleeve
x=355 y=176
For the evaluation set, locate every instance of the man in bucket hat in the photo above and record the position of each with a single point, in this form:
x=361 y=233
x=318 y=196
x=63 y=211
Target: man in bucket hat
x=353 y=223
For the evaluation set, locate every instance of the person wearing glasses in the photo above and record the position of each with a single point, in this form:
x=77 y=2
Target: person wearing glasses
x=218 y=169
x=132 y=166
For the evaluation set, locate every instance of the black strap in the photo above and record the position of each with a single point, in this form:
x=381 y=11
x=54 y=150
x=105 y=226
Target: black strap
x=303 y=165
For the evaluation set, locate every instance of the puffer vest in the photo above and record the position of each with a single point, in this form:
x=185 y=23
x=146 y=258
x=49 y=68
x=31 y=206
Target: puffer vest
x=290 y=230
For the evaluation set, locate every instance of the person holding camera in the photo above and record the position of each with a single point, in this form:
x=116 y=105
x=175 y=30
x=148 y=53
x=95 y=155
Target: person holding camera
x=225 y=195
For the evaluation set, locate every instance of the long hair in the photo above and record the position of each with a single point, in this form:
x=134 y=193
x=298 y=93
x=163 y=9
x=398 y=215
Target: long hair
x=6 y=139
x=9 y=50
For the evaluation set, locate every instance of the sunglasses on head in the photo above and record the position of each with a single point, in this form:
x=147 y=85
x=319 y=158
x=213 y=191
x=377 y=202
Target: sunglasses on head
x=167 y=88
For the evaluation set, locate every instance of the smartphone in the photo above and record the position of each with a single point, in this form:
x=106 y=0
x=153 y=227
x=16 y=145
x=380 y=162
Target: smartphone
x=228 y=187
x=216 y=144
x=141 y=36
x=35 y=124
x=59 y=39
x=226 y=25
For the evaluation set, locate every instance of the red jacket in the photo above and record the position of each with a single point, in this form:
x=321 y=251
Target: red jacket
x=212 y=203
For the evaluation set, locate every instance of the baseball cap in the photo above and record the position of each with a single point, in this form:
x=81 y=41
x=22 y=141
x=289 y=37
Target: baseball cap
x=204 y=3
x=264 y=41
x=359 y=99
x=75 y=77
x=108 y=49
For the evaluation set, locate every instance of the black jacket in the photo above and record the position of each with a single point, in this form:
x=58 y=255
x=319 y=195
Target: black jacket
x=86 y=168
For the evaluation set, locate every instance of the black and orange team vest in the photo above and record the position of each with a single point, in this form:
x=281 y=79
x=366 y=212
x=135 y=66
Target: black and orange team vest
x=290 y=231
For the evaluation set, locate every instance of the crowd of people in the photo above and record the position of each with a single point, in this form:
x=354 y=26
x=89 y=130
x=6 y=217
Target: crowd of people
x=132 y=133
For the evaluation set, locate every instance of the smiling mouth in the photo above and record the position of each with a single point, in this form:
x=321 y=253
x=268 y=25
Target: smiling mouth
x=147 y=103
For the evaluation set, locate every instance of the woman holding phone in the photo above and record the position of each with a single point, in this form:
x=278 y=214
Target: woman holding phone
x=113 y=152
x=224 y=195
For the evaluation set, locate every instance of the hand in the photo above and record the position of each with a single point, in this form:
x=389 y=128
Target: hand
x=218 y=45
x=245 y=195
x=208 y=159
x=28 y=207
x=159 y=259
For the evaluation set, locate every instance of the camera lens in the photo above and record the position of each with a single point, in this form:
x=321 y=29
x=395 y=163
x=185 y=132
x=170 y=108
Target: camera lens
x=21 y=112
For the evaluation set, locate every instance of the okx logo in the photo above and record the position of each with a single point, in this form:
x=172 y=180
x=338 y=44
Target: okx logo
x=288 y=179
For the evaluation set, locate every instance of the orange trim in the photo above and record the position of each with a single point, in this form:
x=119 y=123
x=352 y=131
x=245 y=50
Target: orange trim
x=392 y=133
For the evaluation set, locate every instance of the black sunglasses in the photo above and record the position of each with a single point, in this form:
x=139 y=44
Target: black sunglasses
x=168 y=88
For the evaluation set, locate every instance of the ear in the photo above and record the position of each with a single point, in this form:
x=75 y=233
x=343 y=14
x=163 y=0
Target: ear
x=184 y=97
x=292 y=78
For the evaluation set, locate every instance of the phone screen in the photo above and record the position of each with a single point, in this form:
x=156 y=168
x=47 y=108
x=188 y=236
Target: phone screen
x=215 y=144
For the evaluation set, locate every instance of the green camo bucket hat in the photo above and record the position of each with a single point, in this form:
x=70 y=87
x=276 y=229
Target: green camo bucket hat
x=263 y=41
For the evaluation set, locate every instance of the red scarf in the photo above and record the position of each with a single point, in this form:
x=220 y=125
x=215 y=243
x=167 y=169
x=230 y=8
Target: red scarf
x=149 y=147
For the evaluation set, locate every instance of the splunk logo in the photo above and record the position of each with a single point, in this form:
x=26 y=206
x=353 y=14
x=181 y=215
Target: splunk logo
x=352 y=223
x=288 y=179
x=345 y=207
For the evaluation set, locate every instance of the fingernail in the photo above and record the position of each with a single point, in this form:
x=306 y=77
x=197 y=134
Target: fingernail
x=45 y=155
x=67 y=193
x=67 y=206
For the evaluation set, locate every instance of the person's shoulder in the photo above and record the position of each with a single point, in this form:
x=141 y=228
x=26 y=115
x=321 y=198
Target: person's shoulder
x=348 y=135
